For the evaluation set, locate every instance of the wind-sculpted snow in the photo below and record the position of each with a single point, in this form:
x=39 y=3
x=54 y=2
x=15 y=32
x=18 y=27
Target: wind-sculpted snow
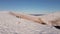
x=10 y=24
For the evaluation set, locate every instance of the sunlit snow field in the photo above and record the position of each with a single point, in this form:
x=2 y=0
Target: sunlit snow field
x=10 y=24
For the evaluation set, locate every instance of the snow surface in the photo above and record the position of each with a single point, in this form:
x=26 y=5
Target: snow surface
x=10 y=24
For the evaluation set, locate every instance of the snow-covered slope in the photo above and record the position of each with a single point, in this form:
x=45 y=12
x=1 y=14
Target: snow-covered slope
x=10 y=24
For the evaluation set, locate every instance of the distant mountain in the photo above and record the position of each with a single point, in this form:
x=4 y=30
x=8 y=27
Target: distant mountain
x=37 y=14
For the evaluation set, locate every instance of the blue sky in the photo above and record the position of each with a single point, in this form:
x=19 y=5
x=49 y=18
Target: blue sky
x=30 y=6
